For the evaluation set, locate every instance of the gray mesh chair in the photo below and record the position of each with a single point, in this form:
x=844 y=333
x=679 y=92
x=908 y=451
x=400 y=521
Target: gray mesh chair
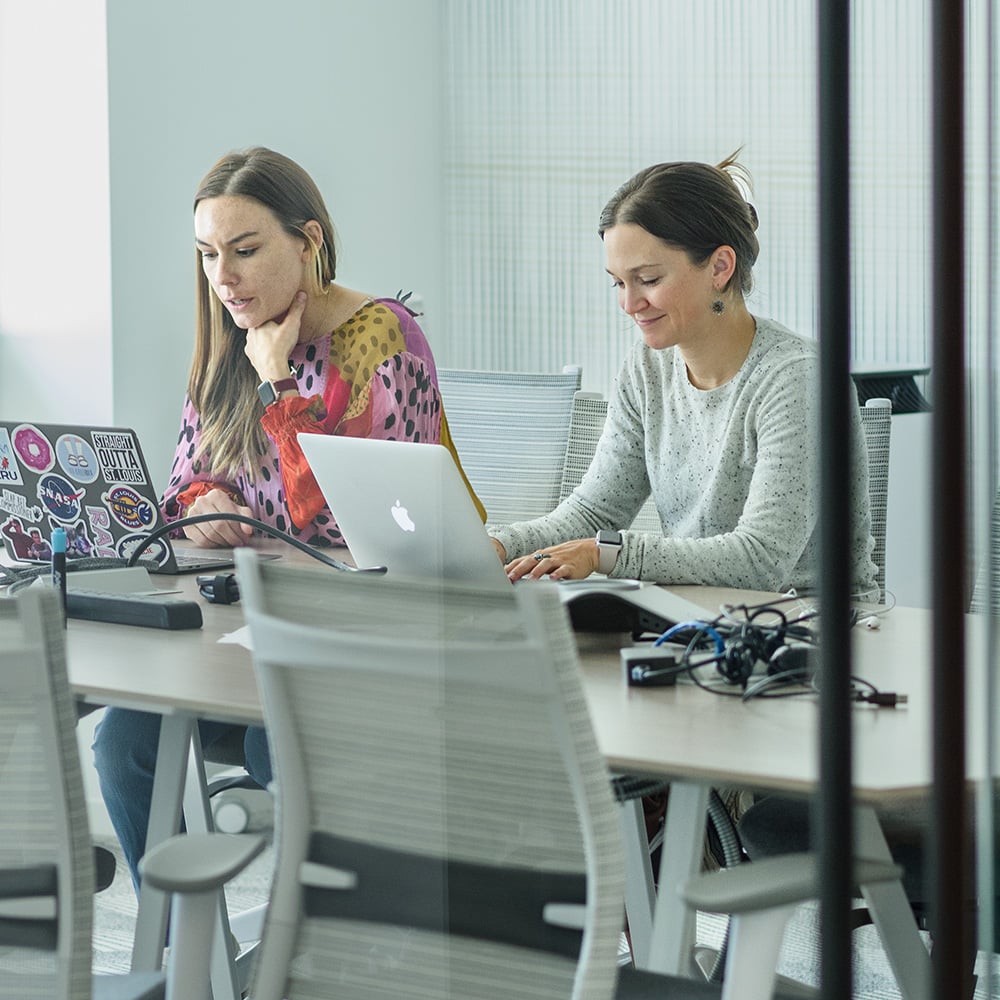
x=46 y=855
x=585 y=428
x=876 y=420
x=510 y=430
x=445 y=825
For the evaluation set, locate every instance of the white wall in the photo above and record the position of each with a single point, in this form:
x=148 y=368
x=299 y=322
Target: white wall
x=148 y=97
x=55 y=267
x=55 y=272
x=350 y=90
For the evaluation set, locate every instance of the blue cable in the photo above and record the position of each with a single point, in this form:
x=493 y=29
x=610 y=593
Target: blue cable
x=720 y=646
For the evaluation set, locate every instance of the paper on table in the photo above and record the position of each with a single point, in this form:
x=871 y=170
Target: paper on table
x=241 y=637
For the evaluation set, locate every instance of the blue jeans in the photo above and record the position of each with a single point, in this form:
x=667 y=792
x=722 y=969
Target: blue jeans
x=125 y=748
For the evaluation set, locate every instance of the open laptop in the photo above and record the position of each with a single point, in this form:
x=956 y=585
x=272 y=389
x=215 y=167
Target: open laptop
x=405 y=506
x=94 y=484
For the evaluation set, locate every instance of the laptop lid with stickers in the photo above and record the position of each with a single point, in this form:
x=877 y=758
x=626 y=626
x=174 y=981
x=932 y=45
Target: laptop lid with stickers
x=94 y=484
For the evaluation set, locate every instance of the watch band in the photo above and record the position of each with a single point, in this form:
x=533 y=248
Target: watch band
x=609 y=546
x=270 y=391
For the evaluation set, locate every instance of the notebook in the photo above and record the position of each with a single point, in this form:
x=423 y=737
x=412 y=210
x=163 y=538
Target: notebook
x=405 y=506
x=92 y=482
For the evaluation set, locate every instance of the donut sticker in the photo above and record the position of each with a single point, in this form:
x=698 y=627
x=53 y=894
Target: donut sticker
x=10 y=471
x=157 y=549
x=60 y=497
x=130 y=509
x=33 y=448
x=76 y=458
x=118 y=458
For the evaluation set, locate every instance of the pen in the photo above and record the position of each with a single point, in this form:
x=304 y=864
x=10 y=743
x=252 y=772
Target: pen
x=59 y=566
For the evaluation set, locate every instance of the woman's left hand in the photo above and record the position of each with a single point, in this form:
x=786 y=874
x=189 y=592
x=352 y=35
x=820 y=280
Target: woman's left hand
x=269 y=345
x=566 y=561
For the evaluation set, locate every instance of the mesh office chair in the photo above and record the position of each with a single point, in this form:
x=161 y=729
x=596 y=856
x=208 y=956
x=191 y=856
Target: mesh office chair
x=510 y=430
x=46 y=855
x=444 y=820
x=876 y=421
x=586 y=424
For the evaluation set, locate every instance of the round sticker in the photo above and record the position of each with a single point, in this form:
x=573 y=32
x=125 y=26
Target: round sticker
x=128 y=508
x=76 y=458
x=60 y=497
x=33 y=448
x=157 y=549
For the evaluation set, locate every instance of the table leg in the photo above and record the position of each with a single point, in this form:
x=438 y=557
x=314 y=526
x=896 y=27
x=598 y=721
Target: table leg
x=164 y=822
x=198 y=819
x=672 y=940
x=891 y=913
x=640 y=892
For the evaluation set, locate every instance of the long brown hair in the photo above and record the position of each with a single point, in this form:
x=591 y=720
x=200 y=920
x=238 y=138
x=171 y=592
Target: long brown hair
x=222 y=383
x=694 y=207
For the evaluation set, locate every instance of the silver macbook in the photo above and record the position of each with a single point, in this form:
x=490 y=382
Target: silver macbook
x=405 y=506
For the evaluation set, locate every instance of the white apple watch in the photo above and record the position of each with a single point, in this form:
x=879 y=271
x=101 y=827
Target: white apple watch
x=270 y=391
x=609 y=545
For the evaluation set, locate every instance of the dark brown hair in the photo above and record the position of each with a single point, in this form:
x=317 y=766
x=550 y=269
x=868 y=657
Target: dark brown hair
x=693 y=207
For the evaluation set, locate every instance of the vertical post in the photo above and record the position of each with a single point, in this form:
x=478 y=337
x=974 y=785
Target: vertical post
x=833 y=807
x=950 y=875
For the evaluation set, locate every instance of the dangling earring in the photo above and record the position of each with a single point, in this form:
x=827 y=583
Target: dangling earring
x=718 y=307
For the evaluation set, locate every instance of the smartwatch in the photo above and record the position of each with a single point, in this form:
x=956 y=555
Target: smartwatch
x=609 y=545
x=269 y=391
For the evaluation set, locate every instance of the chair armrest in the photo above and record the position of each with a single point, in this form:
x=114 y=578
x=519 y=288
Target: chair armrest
x=778 y=881
x=198 y=862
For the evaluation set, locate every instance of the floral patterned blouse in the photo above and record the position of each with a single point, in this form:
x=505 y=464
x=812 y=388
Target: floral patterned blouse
x=373 y=376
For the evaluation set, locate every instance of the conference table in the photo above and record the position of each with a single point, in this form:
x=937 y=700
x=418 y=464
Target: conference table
x=696 y=739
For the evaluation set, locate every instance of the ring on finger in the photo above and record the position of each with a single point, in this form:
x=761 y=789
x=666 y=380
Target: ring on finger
x=539 y=556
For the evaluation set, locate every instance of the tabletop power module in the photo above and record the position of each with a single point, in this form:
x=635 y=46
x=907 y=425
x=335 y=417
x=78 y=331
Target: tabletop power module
x=651 y=666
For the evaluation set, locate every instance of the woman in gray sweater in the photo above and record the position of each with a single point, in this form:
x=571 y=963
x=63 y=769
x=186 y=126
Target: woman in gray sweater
x=713 y=412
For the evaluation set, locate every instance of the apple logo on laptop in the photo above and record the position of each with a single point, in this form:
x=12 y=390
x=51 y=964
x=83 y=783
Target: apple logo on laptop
x=402 y=517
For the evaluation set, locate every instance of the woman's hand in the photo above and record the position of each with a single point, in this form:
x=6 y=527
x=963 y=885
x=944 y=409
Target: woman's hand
x=217 y=534
x=566 y=561
x=269 y=345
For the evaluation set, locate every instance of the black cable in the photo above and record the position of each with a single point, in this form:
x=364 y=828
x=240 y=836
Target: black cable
x=181 y=522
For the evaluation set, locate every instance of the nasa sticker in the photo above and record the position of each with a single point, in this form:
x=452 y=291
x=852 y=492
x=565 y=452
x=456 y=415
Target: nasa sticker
x=10 y=471
x=76 y=458
x=60 y=497
x=157 y=549
x=130 y=509
x=33 y=448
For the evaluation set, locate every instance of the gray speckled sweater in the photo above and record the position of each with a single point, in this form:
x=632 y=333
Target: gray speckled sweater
x=732 y=472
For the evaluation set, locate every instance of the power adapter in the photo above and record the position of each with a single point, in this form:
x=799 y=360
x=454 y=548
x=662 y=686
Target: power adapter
x=651 y=666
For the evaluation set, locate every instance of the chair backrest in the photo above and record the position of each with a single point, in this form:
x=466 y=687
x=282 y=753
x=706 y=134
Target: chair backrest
x=585 y=428
x=876 y=419
x=510 y=430
x=438 y=787
x=46 y=859
x=986 y=592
